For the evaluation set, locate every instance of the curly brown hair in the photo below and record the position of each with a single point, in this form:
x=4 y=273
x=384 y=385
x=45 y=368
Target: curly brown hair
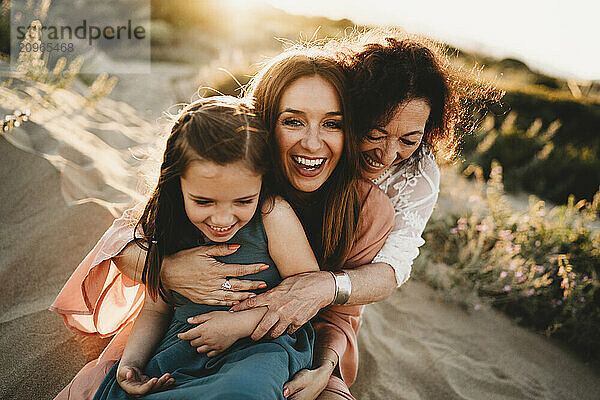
x=388 y=68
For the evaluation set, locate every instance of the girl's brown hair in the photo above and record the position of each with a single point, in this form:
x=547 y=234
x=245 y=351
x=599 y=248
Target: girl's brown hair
x=220 y=129
x=337 y=199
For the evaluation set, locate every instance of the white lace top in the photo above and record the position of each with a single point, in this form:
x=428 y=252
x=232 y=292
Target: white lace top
x=413 y=188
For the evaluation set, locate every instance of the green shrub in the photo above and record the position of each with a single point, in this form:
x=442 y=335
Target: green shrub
x=536 y=160
x=541 y=266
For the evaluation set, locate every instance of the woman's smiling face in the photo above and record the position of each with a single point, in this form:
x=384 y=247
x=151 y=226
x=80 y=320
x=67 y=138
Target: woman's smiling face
x=309 y=132
x=386 y=146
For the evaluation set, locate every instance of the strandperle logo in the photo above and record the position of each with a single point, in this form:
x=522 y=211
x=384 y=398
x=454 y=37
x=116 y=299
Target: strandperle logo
x=111 y=36
x=85 y=31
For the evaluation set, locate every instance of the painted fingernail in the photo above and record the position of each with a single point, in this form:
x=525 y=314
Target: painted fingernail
x=234 y=246
x=252 y=295
x=286 y=392
x=190 y=320
x=264 y=267
x=236 y=302
x=262 y=286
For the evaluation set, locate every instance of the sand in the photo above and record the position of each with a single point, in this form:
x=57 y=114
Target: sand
x=69 y=171
x=414 y=346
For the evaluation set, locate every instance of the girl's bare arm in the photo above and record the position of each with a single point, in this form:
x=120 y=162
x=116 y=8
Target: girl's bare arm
x=148 y=329
x=146 y=334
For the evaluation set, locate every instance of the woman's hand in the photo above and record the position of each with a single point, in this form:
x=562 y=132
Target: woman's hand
x=292 y=303
x=195 y=274
x=217 y=331
x=308 y=384
x=134 y=382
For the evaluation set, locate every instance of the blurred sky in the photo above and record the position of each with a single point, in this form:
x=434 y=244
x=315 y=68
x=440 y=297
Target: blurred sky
x=556 y=37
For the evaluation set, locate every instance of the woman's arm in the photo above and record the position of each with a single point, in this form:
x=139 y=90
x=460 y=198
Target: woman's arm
x=299 y=298
x=147 y=331
x=130 y=261
x=194 y=273
x=414 y=193
x=370 y=283
x=309 y=383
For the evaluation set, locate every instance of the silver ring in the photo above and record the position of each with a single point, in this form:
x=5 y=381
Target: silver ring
x=226 y=285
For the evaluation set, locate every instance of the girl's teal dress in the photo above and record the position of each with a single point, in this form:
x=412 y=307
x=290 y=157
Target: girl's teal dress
x=248 y=369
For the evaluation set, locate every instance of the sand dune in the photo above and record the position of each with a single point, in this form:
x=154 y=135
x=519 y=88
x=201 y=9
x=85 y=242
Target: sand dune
x=66 y=174
x=413 y=346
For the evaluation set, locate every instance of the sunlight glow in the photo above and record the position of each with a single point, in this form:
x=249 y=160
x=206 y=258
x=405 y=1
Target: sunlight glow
x=555 y=36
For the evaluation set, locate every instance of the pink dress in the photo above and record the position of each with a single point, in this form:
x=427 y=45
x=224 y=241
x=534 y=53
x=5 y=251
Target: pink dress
x=337 y=326
x=99 y=299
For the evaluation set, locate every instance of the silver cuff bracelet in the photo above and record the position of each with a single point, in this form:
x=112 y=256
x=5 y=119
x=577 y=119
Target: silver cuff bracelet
x=343 y=287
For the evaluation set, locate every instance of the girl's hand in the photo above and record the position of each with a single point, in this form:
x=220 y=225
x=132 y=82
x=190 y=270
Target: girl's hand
x=134 y=382
x=195 y=274
x=307 y=384
x=217 y=331
x=292 y=303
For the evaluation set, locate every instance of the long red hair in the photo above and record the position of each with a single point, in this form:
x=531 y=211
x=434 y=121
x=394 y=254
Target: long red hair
x=337 y=198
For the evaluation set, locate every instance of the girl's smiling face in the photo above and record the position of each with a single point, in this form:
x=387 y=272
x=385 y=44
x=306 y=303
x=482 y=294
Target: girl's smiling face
x=309 y=132
x=386 y=146
x=220 y=199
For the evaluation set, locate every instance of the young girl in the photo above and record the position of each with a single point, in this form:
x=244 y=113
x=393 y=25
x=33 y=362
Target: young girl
x=213 y=188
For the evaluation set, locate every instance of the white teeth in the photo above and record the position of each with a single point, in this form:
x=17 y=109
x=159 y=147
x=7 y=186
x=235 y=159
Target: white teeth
x=372 y=162
x=314 y=164
x=218 y=229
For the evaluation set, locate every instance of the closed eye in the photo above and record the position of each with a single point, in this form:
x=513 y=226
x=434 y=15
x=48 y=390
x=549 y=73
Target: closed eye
x=407 y=142
x=245 y=202
x=375 y=138
x=203 y=202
